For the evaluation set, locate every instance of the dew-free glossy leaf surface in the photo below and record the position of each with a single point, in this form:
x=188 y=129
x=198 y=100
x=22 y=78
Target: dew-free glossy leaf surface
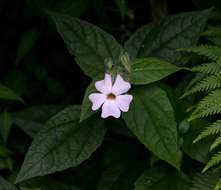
x=164 y=38
x=5 y=185
x=88 y=43
x=31 y=119
x=162 y=178
x=151 y=119
x=62 y=143
x=148 y=70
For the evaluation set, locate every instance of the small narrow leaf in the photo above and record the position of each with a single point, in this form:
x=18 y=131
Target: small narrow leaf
x=148 y=70
x=5 y=125
x=8 y=94
x=151 y=119
x=28 y=40
x=62 y=143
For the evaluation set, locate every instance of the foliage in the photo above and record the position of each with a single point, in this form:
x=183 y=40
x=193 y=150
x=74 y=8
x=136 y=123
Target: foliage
x=210 y=104
x=51 y=139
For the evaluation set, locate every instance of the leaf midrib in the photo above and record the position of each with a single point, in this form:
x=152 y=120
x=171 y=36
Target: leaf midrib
x=53 y=148
x=156 y=128
x=163 y=45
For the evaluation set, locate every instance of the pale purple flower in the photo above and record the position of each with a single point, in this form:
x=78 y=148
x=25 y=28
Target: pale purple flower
x=111 y=96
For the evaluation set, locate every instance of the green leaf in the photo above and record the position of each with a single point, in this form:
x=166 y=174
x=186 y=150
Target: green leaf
x=5 y=185
x=58 y=186
x=91 y=45
x=70 y=7
x=148 y=70
x=5 y=125
x=202 y=4
x=120 y=176
x=62 y=143
x=161 y=178
x=164 y=38
x=151 y=119
x=8 y=94
x=27 y=42
x=200 y=150
x=86 y=110
x=17 y=80
x=206 y=181
x=30 y=120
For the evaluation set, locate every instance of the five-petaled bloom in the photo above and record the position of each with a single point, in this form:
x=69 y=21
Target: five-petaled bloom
x=111 y=96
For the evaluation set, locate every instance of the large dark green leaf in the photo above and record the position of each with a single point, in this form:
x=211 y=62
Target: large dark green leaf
x=200 y=150
x=62 y=143
x=148 y=70
x=5 y=185
x=120 y=176
x=151 y=119
x=162 y=178
x=30 y=120
x=91 y=45
x=164 y=38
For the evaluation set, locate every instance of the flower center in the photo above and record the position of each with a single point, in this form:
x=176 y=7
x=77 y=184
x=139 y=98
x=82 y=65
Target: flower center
x=111 y=96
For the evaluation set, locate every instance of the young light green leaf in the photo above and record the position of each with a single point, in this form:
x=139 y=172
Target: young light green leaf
x=88 y=43
x=5 y=125
x=27 y=42
x=151 y=119
x=62 y=143
x=5 y=185
x=8 y=94
x=164 y=38
x=160 y=178
x=148 y=70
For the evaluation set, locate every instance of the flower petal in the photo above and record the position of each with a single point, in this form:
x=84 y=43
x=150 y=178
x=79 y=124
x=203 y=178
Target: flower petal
x=120 y=86
x=123 y=102
x=110 y=108
x=97 y=100
x=105 y=85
